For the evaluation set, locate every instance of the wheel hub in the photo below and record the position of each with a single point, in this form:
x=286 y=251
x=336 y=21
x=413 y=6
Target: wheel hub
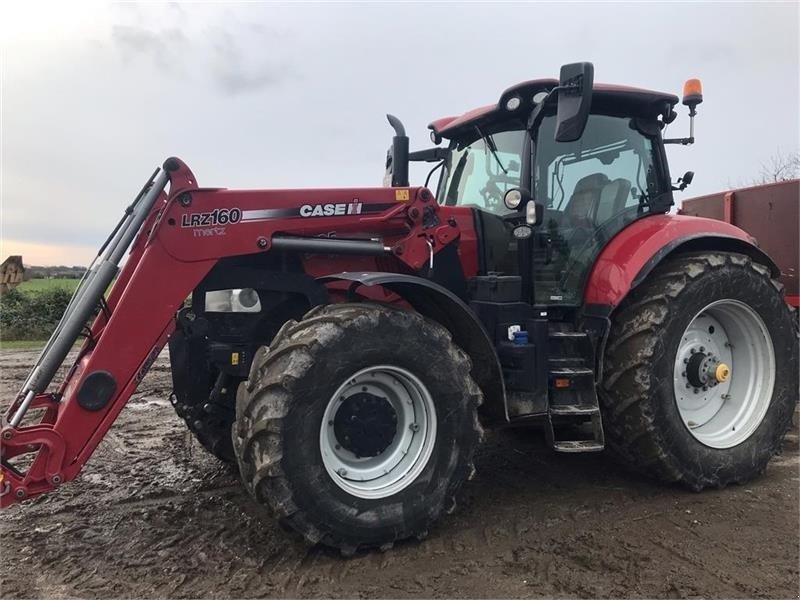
x=704 y=370
x=365 y=424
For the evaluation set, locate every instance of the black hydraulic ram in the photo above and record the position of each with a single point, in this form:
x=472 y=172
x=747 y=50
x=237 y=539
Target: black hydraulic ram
x=329 y=245
x=89 y=293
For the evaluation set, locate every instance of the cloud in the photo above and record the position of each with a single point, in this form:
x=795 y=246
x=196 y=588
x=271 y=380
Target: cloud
x=165 y=48
x=235 y=73
x=215 y=52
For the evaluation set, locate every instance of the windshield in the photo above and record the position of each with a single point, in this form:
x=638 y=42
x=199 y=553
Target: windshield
x=591 y=189
x=478 y=177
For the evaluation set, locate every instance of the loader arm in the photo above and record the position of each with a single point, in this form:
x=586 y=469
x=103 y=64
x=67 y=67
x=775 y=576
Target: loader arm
x=175 y=238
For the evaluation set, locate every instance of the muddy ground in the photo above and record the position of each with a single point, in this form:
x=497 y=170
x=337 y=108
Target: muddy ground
x=153 y=516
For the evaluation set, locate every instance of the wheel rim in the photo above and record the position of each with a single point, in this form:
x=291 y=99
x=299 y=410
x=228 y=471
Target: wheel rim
x=378 y=431
x=724 y=373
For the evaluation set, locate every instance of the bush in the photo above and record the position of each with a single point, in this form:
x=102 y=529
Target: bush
x=31 y=316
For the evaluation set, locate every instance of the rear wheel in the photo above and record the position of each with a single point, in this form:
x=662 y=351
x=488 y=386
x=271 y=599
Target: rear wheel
x=701 y=371
x=357 y=426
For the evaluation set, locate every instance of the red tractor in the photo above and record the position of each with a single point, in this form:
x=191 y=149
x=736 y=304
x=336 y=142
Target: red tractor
x=346 y=347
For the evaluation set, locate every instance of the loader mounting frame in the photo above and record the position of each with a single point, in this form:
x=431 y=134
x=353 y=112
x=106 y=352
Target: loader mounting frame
x=175 y=239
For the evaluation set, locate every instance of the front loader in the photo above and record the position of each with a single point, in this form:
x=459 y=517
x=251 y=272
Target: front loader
x=346 y=348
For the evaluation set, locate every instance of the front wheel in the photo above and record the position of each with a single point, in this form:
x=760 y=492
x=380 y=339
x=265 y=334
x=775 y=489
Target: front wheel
x=358 y=425
x=701 y=371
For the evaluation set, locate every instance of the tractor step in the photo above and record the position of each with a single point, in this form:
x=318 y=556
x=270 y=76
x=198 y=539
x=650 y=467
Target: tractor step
x=579 y=446
x=574 y=423
x=564 y=423
x=567 y=410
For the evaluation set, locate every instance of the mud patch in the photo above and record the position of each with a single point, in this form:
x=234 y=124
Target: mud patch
x=153 y=515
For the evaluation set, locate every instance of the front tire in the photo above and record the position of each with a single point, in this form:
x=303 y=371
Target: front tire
x=701 y=371
x=358 y=425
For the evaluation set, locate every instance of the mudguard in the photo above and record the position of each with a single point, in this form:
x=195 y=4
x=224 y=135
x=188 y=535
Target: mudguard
x=438 y=303
x=636 y=250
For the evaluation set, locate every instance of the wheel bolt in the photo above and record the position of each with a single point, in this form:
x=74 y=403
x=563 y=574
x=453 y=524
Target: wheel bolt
x=688 y=385
x=692 y=351
x=696 y=391
x=342 y=472
x=702 y=349
x=330 y=423
x=686 y=361
x=414 y=427
x=683 y=374
x=705 y=388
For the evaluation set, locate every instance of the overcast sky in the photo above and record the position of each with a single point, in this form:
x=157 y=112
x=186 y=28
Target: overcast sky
x=94 y=96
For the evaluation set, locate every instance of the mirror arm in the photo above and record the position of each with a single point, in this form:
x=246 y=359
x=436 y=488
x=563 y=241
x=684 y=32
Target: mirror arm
x=429 y=155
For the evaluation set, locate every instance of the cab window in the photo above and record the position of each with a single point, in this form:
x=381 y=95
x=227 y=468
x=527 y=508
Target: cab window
x=480 y=173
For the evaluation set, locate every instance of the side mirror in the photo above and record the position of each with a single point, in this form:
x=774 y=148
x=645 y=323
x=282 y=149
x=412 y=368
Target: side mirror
x=683 y=182
x=574 y=100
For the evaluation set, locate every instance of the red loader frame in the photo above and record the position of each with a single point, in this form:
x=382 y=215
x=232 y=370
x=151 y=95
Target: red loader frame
x=175 y=240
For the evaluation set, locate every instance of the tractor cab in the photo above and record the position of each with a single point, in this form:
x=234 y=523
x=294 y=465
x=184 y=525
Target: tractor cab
x=587 y=188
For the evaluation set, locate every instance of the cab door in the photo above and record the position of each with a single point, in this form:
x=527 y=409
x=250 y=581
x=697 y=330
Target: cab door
x=591 y=188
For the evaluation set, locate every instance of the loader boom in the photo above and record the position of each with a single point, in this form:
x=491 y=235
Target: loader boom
x=176 y=237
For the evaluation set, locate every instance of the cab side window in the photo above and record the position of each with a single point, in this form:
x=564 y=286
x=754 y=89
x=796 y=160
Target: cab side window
x=479 y=177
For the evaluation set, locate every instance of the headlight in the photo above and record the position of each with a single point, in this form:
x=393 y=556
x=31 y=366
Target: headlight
x=513 y=103
x=243 y=300
x=512 y=199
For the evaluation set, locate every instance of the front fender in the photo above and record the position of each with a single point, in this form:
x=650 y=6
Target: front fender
x=636 y=250
x=441 y=305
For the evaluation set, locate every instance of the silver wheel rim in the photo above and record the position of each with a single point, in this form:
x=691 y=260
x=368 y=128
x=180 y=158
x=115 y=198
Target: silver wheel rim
x=722 y=412
x=400 y=463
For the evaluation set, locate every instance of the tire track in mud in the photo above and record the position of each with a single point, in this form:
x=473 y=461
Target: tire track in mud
x=152 y=515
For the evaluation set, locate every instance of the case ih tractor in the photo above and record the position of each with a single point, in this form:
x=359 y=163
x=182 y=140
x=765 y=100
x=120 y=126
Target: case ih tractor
x=346 y=347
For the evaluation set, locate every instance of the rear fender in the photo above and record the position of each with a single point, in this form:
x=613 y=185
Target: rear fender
x=444 y=307
x=635 y=251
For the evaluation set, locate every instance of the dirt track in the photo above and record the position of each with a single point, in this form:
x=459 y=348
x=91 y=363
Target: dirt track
x=152 y=515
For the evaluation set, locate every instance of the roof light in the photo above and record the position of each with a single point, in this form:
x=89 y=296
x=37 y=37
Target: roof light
x=513 y=103
x=692 y=92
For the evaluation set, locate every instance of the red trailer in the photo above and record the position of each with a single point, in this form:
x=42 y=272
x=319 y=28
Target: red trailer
x=770 y=213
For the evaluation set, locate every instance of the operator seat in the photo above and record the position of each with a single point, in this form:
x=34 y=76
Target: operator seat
x=582 y=206
x=613 y=198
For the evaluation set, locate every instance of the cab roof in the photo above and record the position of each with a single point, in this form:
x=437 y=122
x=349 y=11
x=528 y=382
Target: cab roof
x=605 y=97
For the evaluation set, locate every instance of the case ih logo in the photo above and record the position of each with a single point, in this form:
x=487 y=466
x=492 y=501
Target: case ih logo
x=331 y=210
x=219 y=216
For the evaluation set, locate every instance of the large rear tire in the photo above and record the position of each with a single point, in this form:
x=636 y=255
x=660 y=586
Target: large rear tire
x=358 y=425
x=701 y=371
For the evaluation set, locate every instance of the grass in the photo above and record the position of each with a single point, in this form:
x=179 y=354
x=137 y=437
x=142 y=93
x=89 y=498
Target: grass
x=38 y=285
x=21 y=344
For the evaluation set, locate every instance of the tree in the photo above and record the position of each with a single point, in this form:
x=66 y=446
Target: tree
x=779 y=167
